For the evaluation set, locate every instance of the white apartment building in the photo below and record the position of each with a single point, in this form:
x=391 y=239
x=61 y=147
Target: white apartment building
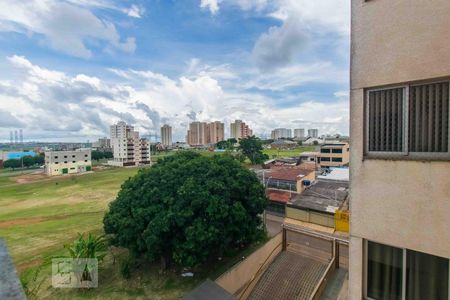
x=400 y=158
x=313 y=133
x=281 y=133
x=128 y=148
x=67 y=162
x=166 y=135
x=299 y=133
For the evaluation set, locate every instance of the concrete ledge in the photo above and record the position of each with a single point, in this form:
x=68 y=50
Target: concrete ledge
x=10 y=287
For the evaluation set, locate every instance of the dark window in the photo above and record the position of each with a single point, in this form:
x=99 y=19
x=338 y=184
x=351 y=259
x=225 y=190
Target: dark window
x=85 y=155
x=426 y=276
x=324 y=159
x=73 y=156
x=65 y=162
x=384 y=272
x=385 y=120
x=325 y=150
x=73 y=161
x=85 y=161
x=414 y=126
x=56 y=157
x=337 y=159
x=428 y=117
x=65 y=156
x=336 y=151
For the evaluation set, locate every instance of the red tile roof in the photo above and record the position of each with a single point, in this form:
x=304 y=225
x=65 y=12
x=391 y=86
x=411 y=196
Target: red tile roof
x=288 y=173
x=278 y=195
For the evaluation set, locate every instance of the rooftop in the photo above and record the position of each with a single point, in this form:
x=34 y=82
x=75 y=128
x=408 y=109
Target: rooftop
x=322 y=196
x=340 y=174
x=287 y=173
x=280 y=196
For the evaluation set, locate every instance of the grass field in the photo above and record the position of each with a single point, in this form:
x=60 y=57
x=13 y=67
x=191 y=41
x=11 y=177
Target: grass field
x=37 y=218
x=287 y=153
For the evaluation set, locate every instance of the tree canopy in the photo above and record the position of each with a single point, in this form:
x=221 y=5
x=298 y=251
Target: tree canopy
x=251 y=147
x=227 y=144
x=97 y=155
x=187 y=208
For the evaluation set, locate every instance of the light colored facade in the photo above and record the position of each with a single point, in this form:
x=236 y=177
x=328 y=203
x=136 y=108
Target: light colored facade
x=197 y=134
x=299 y=133
x=399 y=163
x=281 y=133
x=314 y=133
x=67 y=162
x=334 y=154
x=166 y=135
x=216 y=132
x=128 y=148
x=240 y=130
x=202 y=133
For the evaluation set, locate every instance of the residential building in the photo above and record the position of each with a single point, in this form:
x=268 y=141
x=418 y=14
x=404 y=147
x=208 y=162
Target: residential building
x=400 y=159
x=202 y=133
x=197 y=134
x=288 y=178
x=103 y=144
x=67 y=162
x=128 y=148
x=216 y=132
x=313 y=133
x=166 y=135
x=334 y=155
x=281 y=133
x=299 y=133
x=240 y=130
x=318 y=203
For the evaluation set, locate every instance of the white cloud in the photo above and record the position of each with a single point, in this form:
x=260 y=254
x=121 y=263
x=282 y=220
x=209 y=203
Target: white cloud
x=134 y=11
x=62 y=26
x=58 y=105
x=212 y=5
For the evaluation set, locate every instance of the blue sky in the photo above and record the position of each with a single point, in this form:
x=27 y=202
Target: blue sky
x=70 y=68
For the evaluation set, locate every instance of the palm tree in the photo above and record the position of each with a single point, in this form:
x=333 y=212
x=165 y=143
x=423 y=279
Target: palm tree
x=93 y=247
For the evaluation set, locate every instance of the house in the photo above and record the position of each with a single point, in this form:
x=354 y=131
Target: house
x=400 y=158
x=318 y=203
x=334 y=155
x=288 y=178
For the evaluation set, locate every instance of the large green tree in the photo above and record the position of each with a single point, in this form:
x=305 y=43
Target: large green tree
x=187 y=208
x=251 y=147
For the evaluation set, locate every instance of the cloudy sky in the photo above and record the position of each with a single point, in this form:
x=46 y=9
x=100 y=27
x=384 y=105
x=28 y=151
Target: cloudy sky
x=70 y=68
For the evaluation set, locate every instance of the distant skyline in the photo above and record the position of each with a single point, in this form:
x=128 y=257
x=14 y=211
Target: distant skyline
x=71 y=68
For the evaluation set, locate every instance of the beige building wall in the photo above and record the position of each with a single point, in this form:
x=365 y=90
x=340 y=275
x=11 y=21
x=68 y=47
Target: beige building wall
x=344 y=156
x=67 y=162
x=396 y=202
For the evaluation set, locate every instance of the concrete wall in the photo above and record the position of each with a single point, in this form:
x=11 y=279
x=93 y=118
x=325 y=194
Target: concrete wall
x=396 y=202
x=310 y=217
x=236 y=279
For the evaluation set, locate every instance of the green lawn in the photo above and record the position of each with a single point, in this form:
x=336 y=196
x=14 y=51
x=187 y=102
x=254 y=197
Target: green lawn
x=38 y=218
x=287 y=153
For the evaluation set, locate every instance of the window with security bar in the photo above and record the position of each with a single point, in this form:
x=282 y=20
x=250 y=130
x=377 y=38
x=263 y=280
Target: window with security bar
x=409 y=121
